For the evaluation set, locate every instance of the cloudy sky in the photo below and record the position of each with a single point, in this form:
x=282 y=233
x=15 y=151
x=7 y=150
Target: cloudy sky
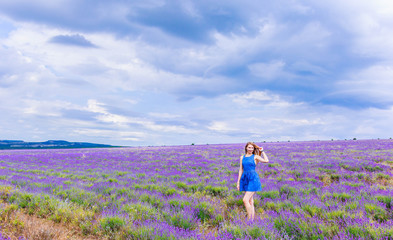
x=168 y=72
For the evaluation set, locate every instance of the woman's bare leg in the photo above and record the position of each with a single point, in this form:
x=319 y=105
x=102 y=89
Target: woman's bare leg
x=252 y=207
x=247 y=199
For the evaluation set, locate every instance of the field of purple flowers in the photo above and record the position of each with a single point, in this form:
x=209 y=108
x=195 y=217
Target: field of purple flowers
x=311 y=190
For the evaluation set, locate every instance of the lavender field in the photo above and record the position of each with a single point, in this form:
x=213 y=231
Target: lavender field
x=311 y=190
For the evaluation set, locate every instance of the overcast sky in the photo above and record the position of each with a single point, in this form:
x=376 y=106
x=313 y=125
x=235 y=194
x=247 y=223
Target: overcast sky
x=160 y=72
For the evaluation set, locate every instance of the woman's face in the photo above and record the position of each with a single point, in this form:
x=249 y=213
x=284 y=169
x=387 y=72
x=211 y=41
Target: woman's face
x=250 y=148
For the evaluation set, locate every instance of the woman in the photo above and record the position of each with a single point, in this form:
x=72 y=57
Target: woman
x=248 y=179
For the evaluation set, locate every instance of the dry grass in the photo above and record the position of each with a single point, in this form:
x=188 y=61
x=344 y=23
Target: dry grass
x=18 y=225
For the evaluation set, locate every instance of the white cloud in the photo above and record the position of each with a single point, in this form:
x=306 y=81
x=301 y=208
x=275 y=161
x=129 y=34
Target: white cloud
x=114 y=135
x=260 y=98
x=164 y=115
x=94 y=106
x=113 y=65
x=220 y=126
x=45 y=108
x=373 y=83
x=366 y=25
x=146 y=123
x=268 y=71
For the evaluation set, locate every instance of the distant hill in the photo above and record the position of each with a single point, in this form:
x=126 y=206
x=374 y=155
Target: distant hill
x=19 y=144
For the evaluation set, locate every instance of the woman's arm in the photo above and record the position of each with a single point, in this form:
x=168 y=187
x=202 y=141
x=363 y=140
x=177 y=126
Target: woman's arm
x=260 y=159
x=240 y=173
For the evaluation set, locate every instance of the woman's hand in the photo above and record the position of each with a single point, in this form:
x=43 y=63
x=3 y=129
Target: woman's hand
x=238 y=186
x=261 y=149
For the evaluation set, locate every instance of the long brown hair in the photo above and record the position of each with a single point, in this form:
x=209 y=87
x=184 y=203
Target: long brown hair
x=256 y=149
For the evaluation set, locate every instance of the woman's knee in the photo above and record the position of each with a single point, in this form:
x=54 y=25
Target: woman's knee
x=246 y=200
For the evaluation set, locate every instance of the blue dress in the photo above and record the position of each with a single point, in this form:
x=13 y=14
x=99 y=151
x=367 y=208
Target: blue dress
x=249 y=180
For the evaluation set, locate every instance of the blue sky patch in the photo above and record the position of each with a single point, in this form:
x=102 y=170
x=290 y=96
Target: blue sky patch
x=73 y=40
